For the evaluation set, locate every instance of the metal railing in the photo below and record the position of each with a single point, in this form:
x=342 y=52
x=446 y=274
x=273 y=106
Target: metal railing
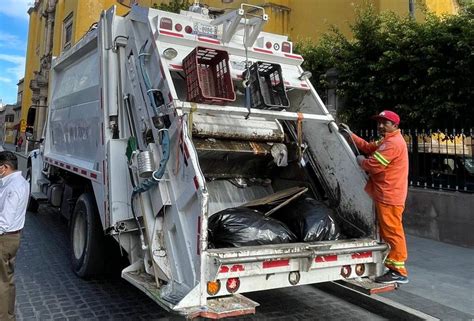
x=439 y=159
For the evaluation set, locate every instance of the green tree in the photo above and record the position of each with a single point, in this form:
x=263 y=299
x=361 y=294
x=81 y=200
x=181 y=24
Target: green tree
x=173 y=6
x=466 y=3
x=423 y=70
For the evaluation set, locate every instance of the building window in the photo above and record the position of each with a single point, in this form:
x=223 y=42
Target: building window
x=9 y=118
x=67 y=32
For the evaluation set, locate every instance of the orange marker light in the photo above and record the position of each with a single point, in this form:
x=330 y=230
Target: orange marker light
x=213 y=287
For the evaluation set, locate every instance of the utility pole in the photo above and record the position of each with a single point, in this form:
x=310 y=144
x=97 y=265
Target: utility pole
x=411 y=8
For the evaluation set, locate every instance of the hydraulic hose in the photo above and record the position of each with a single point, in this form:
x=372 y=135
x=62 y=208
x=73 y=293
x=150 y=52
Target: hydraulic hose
x=146 y=79
x=165 y=138
x=165 y=144
x=158 y=174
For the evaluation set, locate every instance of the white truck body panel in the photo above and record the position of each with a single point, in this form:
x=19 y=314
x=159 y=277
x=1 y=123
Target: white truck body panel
x=99 y=99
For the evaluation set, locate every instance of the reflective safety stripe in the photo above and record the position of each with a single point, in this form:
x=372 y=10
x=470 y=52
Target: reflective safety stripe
x=395 y=263
x=382 y=160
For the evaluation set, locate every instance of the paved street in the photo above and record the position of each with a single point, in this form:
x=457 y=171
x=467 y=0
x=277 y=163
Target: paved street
x=48 y=289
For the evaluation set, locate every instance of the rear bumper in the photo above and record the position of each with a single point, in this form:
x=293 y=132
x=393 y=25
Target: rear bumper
x=259 y=269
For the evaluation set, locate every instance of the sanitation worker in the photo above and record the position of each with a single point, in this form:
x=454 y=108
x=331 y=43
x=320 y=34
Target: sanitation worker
x=387 y=165
x=14 y=193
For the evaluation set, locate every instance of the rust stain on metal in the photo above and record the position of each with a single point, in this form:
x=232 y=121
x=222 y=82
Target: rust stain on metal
x=275 y=137
x=257 y=149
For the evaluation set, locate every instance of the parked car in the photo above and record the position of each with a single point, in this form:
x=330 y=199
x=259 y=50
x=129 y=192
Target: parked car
x=448 y=171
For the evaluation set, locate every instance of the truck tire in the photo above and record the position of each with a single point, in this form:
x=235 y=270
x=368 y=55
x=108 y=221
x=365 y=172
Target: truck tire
x=87 y=238
x=32 y=203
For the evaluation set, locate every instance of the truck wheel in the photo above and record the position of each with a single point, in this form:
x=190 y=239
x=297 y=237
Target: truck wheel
x=87 y=238
x=32 y=203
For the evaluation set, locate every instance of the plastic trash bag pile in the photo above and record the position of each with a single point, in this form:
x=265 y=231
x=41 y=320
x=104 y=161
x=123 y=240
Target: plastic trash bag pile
x=302 y=219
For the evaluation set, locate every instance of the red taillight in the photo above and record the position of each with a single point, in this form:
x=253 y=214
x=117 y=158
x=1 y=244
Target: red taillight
x=178 y=27
x=166 y=23
x=286 y=47
x=346 y=271
x=232 y=285
x=188 y=29
x=268 y=45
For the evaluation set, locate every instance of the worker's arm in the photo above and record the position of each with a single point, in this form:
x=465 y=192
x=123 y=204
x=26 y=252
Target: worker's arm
x=363 y=146
x=380 y=159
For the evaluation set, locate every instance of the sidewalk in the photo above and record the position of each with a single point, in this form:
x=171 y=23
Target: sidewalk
x=441 y=280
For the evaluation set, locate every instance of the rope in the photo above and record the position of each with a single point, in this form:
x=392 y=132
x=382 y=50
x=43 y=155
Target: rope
x=180 y=141
x=299 y=134
x=190 y=119
x=248 y=93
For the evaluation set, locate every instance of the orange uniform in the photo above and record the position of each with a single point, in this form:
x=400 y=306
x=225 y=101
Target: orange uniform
x=387 y=166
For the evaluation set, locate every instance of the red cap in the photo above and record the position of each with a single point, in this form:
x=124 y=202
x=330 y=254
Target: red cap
x=388 y=115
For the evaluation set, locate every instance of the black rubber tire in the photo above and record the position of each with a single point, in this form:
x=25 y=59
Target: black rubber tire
x=32 y=203
x=87 y=238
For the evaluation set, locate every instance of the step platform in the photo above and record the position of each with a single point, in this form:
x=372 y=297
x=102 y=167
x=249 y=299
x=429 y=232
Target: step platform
x=39 y=196
x=368 y=286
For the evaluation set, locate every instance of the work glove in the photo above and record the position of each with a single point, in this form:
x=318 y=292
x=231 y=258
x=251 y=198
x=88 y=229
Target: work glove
x=360 y=159
x=344 y=128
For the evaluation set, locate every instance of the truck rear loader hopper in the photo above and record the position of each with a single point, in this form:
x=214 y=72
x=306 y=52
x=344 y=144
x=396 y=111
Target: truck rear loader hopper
x=126 y=153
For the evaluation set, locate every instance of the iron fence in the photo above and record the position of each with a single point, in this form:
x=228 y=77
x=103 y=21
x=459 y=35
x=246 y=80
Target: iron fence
x=439 y=159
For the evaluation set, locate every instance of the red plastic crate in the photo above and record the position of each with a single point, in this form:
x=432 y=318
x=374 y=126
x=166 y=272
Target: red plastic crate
x=208 y=78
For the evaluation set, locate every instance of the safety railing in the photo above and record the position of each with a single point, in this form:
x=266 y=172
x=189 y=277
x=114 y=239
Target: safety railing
x=439 y=159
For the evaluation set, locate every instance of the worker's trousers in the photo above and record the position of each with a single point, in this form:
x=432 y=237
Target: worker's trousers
x=9 y=245
x=391 y=231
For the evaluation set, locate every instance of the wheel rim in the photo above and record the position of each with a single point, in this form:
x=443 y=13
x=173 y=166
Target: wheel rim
x=79 y=234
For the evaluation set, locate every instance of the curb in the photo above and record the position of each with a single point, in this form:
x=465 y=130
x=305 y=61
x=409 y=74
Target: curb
x=375 y=303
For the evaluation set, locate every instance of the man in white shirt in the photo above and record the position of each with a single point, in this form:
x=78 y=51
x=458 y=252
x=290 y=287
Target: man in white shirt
x=14 y=194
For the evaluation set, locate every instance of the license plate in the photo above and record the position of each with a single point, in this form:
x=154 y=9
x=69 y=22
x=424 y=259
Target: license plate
x=207 y=30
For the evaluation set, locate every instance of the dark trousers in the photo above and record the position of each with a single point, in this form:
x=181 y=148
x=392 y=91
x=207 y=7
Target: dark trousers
x=9 y=245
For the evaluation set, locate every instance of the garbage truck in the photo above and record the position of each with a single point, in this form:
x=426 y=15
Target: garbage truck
x=157 y=121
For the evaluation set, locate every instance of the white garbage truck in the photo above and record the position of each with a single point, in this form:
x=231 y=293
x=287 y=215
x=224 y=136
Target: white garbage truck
x=157 y=121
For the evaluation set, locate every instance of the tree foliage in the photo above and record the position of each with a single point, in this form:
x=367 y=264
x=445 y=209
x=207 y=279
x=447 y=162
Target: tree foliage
x=464 y=3
x=422 y=70
x=173 y=6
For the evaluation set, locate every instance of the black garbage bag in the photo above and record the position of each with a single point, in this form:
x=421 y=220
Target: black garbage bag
x=310 y=220
x=241 y=226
